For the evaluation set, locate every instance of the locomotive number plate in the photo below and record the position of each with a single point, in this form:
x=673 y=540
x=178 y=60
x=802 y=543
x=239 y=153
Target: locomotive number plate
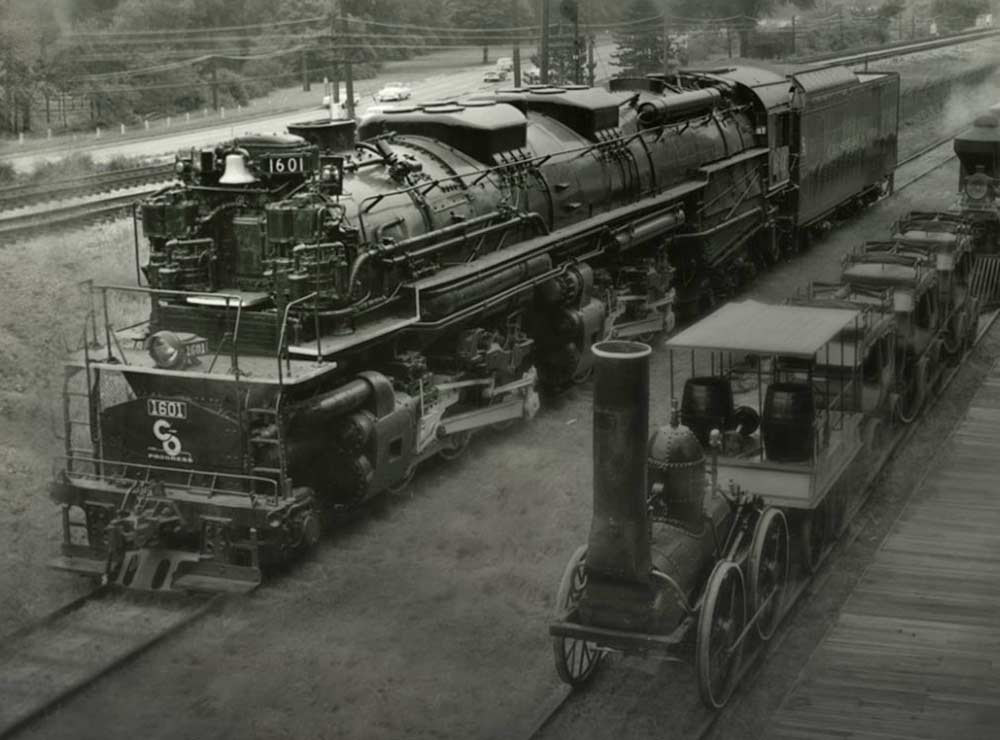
x=164 y=409
x=286 y=165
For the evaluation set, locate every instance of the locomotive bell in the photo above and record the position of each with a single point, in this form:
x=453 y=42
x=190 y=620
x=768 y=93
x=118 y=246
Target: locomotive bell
x=236 y=171
x=676 y=471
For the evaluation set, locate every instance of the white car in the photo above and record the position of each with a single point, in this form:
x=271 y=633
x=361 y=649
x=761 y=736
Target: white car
x=394 y=91
x=505 y=63
x=493 y=75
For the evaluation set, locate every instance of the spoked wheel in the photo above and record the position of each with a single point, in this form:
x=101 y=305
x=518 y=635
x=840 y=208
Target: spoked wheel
x=720 y=624
x=910 y=396
x=768 y=570
x=955 y=338
x=403 y=483
x=508 y=423
x=813 y=530
x=583 y=376
x=455 y=446
x=972 y=326
x=576 y=660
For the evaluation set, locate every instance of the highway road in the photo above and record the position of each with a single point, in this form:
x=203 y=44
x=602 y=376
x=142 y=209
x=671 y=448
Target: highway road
x=462 y=81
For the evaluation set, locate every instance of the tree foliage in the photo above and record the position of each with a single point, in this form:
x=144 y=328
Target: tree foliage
x=110 y=61
x=954 y=15
x=640 y=45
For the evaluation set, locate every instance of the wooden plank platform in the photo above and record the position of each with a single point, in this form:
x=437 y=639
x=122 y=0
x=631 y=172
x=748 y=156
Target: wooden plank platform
x=915 y=651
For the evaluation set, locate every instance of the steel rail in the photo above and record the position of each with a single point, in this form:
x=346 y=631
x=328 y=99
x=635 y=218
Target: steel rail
x=550 y=707
x=24 y=225
x=893 y=50
x=66 y=651
x=16 y=196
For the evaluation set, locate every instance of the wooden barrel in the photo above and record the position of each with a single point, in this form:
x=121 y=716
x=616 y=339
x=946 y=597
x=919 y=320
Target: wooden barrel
x=787 y=424
x=707 y=404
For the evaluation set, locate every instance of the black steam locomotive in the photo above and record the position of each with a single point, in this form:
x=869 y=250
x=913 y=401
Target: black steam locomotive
x=321 y=315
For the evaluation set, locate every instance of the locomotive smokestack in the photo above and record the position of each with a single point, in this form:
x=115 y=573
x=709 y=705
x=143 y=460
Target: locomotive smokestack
x=619 y=546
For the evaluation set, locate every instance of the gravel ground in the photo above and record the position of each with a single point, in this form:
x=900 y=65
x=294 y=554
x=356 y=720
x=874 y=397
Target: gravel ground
x=425 y=619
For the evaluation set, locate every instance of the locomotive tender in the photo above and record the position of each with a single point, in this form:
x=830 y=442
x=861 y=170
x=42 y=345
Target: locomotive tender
x=321 y=316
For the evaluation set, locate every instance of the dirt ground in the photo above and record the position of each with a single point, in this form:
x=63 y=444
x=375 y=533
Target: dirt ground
x=425 y=619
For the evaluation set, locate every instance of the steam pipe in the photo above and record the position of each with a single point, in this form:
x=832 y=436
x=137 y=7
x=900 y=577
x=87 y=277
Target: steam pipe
x=339 y=401
x=619 y=546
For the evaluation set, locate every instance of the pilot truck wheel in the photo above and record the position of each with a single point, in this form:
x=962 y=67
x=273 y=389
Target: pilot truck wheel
x=576 y=660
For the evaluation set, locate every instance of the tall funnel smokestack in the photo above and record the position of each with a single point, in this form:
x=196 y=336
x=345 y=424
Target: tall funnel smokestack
x=619 y=546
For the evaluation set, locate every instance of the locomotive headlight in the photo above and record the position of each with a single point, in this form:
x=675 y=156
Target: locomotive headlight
x=167 y=350
x=976 y=189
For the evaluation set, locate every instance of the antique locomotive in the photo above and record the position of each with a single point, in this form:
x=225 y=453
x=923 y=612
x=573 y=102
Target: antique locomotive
x=674 y=565
x=322 y=315
x=798 y=411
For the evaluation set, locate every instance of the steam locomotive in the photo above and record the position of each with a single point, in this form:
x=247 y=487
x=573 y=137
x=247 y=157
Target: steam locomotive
x=800 y=406
x=321 y=315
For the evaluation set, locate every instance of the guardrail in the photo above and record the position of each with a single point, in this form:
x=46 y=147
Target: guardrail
x=901 y=48
x=17 y=196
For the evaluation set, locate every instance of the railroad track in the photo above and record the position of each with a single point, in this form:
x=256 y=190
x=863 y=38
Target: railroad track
x=22 y=195
x=802 y=586
x=895 y=50
x=17 y=226
x=58 y=656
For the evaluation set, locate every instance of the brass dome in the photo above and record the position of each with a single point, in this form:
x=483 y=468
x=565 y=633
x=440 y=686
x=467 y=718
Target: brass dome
x=674 y=446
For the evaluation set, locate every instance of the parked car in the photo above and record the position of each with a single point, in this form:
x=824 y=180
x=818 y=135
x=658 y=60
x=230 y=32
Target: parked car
x=493 y=75
x=394 y=91
x=505 y=64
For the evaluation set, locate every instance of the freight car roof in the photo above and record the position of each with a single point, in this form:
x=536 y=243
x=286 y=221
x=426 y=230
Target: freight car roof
x=751 y=327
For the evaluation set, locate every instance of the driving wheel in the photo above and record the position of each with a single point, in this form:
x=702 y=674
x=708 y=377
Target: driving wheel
x=719 y=650
x=768 y=570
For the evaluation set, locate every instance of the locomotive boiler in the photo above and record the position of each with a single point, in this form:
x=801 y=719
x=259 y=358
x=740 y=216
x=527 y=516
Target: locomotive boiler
x=320 y=316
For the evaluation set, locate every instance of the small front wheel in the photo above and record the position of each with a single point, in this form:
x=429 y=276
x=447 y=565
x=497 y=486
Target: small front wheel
x=576 y=660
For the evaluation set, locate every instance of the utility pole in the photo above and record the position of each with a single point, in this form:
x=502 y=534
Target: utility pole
x=335 y=66
x=305 y=72
x=215 y=83
x=840 y=20
x=666 y=47
x=348 y=72
x=793 y=35
x=577 y=47
x=516 y=51
x=544 y=51
x=591 y=65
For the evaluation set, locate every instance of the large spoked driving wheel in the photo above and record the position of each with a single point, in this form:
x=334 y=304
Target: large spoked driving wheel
x=768 y=570
x=576 y=660
x=720 y=624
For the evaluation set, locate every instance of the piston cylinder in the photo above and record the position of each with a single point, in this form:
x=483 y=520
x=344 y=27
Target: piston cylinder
x=619 y=546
